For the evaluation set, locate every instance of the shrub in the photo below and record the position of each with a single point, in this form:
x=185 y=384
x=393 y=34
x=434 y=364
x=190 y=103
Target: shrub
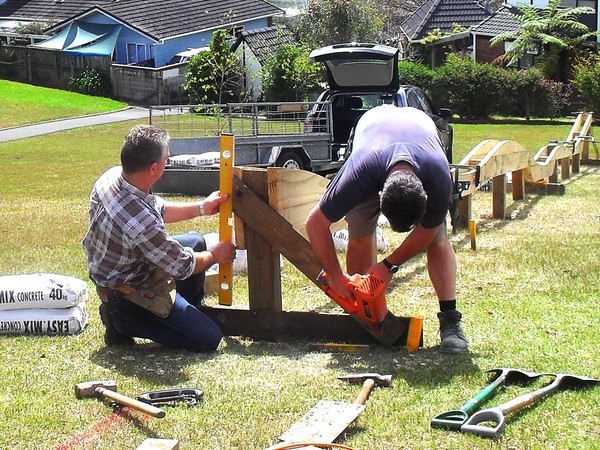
x=91 y=82
x=470 y=89
x=586 y=79
x=415 y=73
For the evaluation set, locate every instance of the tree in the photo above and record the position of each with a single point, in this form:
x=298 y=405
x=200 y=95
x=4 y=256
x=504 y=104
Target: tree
x=328 y=22
x=213 y=76
x=289 y=76
x=550 y=32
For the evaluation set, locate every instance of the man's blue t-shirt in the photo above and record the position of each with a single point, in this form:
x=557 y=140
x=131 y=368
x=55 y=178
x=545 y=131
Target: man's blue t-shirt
x=384 y=136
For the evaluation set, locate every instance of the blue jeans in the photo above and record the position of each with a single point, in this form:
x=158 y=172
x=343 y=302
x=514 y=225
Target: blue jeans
x=185 y=327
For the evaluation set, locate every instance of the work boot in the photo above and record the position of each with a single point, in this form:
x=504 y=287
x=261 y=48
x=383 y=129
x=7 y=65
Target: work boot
x=451 y=334
x=111 y=335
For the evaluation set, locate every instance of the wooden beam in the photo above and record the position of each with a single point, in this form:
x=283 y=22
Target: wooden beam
x=280 y=233
x=294 y=326
x=264 y=265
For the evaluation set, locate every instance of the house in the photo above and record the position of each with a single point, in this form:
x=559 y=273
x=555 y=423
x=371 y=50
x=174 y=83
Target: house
x=148 y=32
x=478 y=26
x=255 y=48
x=501 y=22
x=453 y=19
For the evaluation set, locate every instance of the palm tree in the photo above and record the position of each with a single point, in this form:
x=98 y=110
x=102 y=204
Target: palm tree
x=550 y=32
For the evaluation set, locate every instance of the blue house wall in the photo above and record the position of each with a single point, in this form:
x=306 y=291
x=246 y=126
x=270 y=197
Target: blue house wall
x=164 y=51
x=133 y=46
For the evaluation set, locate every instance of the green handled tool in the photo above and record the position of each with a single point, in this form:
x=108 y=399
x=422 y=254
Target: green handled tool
x=453 y=420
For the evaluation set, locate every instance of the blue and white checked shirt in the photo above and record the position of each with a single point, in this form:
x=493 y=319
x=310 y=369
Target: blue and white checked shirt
x=126 y=239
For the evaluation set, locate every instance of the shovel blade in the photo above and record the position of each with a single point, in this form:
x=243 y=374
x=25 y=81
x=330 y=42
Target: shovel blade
x=324 y=422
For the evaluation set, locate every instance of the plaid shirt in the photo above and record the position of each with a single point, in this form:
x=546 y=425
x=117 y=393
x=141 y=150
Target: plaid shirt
x=126 y=239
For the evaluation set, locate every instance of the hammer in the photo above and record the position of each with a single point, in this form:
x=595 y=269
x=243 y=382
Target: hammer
x=107 y=389
x=368 y=380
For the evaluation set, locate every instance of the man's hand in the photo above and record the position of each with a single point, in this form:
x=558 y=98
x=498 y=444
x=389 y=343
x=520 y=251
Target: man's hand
x=212 y=203
x=223 y=252
x=339 y=286
x=379 y=270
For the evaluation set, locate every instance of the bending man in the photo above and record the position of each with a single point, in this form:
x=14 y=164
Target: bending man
x=397 y=168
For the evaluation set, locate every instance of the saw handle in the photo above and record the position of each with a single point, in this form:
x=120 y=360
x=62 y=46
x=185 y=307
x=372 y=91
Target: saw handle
x=132 y=403
x=364 y=392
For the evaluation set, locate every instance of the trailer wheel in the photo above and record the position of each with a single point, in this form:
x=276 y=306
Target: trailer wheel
x=290 y=160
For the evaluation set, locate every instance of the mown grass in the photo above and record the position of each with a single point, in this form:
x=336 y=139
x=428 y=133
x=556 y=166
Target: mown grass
x=529 y=297
x=25 y=104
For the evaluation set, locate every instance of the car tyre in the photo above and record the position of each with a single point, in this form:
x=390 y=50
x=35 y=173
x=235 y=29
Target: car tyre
x=290 y=160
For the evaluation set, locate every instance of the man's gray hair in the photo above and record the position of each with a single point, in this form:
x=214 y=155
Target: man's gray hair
x=144 y=145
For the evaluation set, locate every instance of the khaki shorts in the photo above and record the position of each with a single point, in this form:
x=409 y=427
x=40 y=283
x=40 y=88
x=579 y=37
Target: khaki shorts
x=362 y=219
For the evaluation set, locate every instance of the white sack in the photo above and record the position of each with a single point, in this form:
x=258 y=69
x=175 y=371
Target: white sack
x=340 y=240
x=41 y=290
x=44 y=321
x=240 y=265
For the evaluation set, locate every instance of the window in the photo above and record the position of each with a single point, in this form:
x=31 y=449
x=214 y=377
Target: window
x=136 y=53
x=236 y=31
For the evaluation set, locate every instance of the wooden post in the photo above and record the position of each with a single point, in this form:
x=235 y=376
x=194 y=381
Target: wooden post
x=264 y=268
x=565 y=168
x=518 y=185
x=585 y=147
x=576 y=163
x=554 y=177
x=499 y=196
x=464 y=210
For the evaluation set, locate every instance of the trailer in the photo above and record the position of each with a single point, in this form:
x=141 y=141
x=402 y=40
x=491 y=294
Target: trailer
x=266 y=135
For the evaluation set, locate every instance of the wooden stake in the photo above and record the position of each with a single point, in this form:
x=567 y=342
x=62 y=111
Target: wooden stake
x=226 y=216
x=473 y=234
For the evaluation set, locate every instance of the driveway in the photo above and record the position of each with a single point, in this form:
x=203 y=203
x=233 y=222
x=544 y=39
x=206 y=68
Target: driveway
x=54 y=126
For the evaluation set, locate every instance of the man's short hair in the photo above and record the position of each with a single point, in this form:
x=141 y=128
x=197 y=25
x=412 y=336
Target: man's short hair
x=403 y=200
x=144 y=145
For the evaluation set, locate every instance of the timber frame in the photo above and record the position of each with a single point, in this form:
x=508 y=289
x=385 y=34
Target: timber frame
x=493 y=160
x=266 y=235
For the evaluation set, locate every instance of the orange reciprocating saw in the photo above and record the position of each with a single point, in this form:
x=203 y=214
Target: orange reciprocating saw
x=369 y=293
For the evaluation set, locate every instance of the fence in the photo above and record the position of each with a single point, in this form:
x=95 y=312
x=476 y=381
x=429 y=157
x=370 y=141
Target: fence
x=133 y=84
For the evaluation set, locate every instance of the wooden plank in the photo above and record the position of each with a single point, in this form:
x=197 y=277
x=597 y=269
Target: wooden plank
x=479 y=151
x=280 y=233
x=294 y=326
x=545 y=160
x=504 y=157
x=225 y=291
x=518 y=185
x=264 y=270
x=565 y=168
x=293 y=193
x=159 y=444
x=239 y=228
x=465 y=206
x=499 y=197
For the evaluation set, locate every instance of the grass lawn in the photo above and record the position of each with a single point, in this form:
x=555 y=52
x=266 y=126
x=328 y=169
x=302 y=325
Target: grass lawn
x=25 y=104
x=529 y=297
